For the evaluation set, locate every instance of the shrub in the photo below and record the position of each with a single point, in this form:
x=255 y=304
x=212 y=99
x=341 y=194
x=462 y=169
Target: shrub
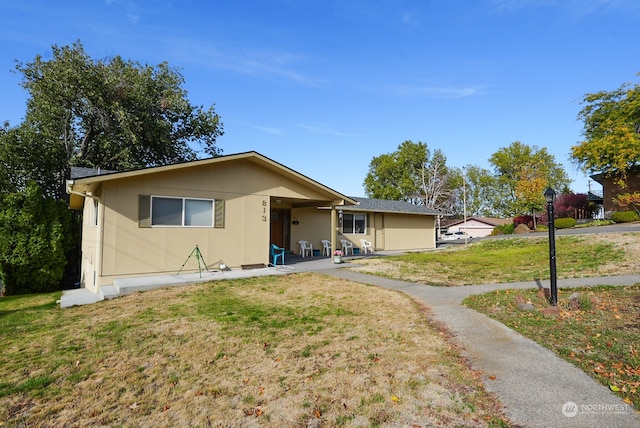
x=624 y=216
x=527 y=220
x=564 y=223
x=503 y=229
x=35 y=236
x=574 y=205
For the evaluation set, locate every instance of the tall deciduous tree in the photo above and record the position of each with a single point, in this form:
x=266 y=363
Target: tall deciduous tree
x=529 y=190
x=478 y=190
x=36 y=235
x=611 y=144
x=110 y=113
x=510 y=166
x=410 y=174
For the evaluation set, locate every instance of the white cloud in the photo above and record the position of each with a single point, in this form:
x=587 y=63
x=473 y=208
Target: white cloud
x=265 y=129
x=575 y=7
x=265 y=62
x=130 y=9
x=442 y=92
x=323 y=129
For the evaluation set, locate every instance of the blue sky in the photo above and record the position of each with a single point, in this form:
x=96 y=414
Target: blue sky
x=324 y=86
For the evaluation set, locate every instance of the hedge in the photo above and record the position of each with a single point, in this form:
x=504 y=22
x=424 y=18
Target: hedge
x=35 y=237
x=565 y=223
x=624 y=216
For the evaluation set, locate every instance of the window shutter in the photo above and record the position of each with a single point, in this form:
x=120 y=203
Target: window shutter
x=219 y=220
x=144 y=211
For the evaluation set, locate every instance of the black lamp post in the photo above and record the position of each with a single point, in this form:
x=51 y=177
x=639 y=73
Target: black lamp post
x=550 y=196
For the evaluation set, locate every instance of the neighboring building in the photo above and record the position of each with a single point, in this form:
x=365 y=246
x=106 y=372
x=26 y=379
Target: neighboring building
x=595 y=197
x=610 y=190
x=476 y=227
x=149 y=221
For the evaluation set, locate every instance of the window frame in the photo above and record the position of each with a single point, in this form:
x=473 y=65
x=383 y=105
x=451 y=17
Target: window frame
x=183 y=211
x=354 y=218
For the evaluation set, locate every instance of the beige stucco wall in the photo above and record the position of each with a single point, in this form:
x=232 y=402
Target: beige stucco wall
x=128 y=250
x=400 y=231
x=409 y=232
x=314 y=225
x=90 y=238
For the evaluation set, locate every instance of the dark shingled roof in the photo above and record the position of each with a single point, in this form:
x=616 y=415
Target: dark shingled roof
x=385 y=205
x=82 y=172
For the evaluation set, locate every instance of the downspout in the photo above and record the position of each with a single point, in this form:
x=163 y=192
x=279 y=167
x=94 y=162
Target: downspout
x=98 y=267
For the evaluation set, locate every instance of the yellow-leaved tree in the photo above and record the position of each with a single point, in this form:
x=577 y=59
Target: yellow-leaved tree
x=611 y=144
x=530 y=188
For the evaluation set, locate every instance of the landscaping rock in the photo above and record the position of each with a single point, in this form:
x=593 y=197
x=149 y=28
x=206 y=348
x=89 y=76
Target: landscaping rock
x=551 y=310
x=574 y=302
x=544 y=293
x=521 y=228
x=523 y=304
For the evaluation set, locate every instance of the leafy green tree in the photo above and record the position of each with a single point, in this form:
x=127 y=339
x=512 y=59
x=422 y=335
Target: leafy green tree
x=530 y=190
x=512 y=165
x=35 y=236
x=26 y=157
x=476 y=191
x=611 y=144
x=5 y=162
x=412 y=174
x=109 y=113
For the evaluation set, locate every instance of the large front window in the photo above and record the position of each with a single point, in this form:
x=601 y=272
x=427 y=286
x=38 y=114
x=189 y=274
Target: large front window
x=354 y=223
x=181 y=212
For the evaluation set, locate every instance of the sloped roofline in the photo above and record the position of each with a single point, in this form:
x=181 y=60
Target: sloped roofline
x=486 y=220
x=392 y=206
x=253 y=156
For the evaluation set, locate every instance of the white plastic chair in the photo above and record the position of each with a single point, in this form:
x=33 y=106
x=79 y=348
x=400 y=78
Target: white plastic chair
x=346 y=245
x=366 y=246
x=326 y=247
x=305 y=247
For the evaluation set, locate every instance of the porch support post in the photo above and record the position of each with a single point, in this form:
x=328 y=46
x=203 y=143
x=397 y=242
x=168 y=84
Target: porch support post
x=334 y=230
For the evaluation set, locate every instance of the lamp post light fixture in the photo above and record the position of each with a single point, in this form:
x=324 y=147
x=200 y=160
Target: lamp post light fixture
x=550 y=196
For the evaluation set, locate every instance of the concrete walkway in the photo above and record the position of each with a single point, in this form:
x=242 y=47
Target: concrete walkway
x=537 y=388
x=125 y=286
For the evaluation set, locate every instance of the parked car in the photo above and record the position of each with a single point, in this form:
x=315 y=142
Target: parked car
x=454 y=236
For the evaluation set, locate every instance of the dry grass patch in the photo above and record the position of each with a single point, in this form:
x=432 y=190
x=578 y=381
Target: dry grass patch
x=287 y=351
x=599 y=332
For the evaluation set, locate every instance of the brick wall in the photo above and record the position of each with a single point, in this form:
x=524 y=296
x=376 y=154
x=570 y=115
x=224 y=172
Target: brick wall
x=612 y=190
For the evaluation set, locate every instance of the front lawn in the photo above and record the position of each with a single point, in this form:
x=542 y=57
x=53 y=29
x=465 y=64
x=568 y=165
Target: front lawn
x=512 y=260
x=602 y=337
x=283 y=351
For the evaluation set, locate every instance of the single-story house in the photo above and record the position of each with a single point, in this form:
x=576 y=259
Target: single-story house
x=476 y=227
x=231 y=208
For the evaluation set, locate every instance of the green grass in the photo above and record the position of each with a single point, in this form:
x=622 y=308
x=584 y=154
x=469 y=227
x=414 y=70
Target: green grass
x=505 y=260
x=271 y=346
x=602 y=338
